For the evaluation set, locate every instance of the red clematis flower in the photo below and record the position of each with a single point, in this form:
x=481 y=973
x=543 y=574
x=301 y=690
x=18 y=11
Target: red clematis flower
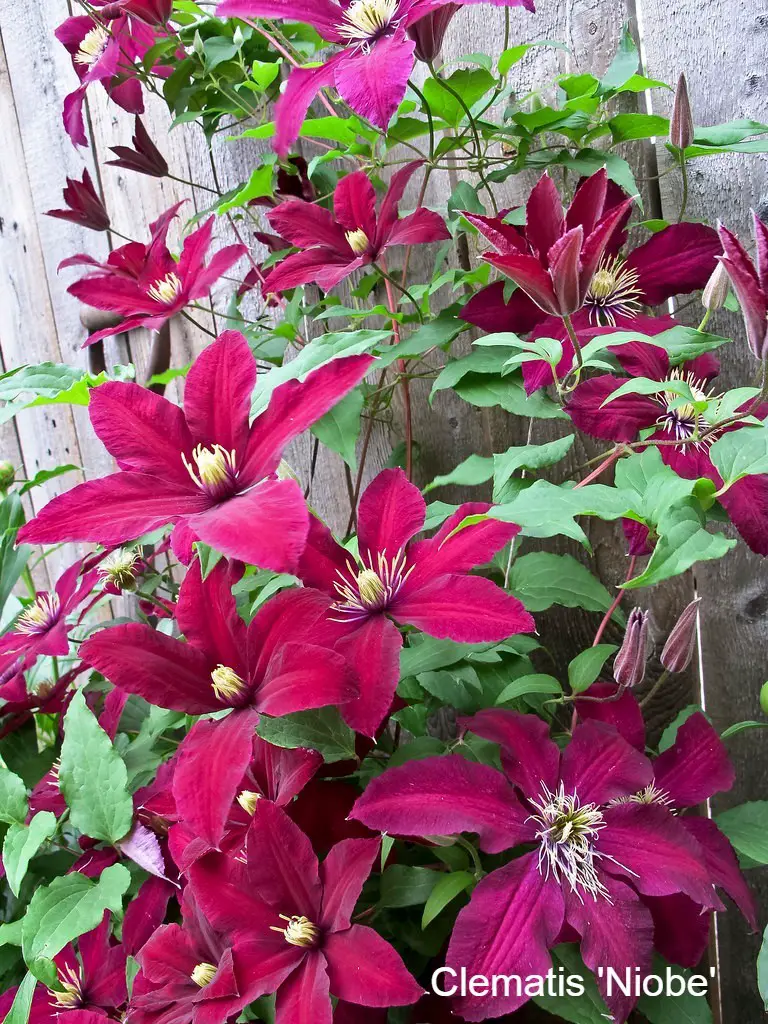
x=370 y=73
x=555 y=260
x=190 y=972
x=144 y=158
x=594 y=855
x=746 y=501
x=153 y=12
x=144 y=283
x=105 y=51
x=750 y=282
x=207 y=470
x=293 y=916
x=41 y=629
x=331 y=248
x=421 y=583
x=84 y=205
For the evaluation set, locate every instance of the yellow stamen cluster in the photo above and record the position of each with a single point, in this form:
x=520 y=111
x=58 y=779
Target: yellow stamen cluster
x=365 y=19
x=358 y=241
x=613 y=292
x=92 y=47
x=40 y=615
x=118 y=569
x=166 y=290
x=203 y=974
x=370 y=588
x=214 y=466
x=227 y=684
x=71 y=994
x=299 y=932
x=248 y=800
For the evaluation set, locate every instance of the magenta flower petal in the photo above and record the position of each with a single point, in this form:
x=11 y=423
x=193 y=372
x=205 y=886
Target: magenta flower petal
x=389 y=205
x=620 y=420
x=289 y=882
x=509 y=926
x=244 y=526
x=303 y=676
x=589 y=202
x=319 y=264
x=722 y=865
x=600 y=765
x=207 y=615
x=654 y=851
x=623 y=714
x=468 y=609
x=292 y=106
x=527 y=273
x=620 y=936
x=217 y=393
x=145 y=913
x=323 y=558
x=681 y=930
x=749 y=291
x=342 y=874
x=158 y=668
x=746 y=502
x=374 y=83
x=372 y=651
x=596 y=243
x=503 y=237
x=304 y=998
x=72 y=117
x=143 y=431
x=307 y=224
x=564 y=263
x=232 y=903
x=391 y=511
x=112 y=510
x=321 y=14
x=679 y=259
x=418 y=228
x=211 y=763
x=354 y=203
x=444 y=796
x=488 y=311
x=281 y=773
x=544 y=221
x=529 y=757
x=363 y=968
x=452 y=550
x=696 y=766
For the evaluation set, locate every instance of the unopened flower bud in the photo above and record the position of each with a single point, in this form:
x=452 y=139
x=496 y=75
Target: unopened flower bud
x=681 y=122
x=716 y=289
x=681 y=642
x=429 y=31
x=629 y=665
x=7 y=474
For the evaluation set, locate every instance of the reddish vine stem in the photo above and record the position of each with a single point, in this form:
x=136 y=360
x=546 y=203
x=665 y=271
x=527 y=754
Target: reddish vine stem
x=615 y=604
x=404 y=383
x=599 y=469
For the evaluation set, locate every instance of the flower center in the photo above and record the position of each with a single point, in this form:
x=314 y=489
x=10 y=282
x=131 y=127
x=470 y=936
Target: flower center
x=71 y=995
x=650 y=795
x=227 y=684
x=166 y=290
x=613 y=292
x=366 y=20
x=358 y=241
x=248 y=800
x=371 y=589
x=683 y=421
x=215 y=469
x=203 y=974
x=40 y=615
x=567 y=833
x=117 y=569
x=92 y=47
x=300 y=931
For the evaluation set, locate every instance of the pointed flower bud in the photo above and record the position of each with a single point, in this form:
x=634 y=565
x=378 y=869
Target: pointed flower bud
x=84 y=205
x=629 y=665
x=144 y=158
x=716 y=289
x=681 y=642
x=429 y=31
x=681 y=122
x=7 y=474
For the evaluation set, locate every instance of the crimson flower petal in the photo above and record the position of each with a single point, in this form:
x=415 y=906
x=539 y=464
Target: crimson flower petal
x=391 y=511
x=588 y=202
x=324 y=266
x=231 y=902
x=528 y=756
x=217 y=393
x=290 y=883
x=363 y=968
x=722 y=864
x=304 y=998
x=452 y=550
x=746 y=502
x=679 y=259
x=443 y=796
x=145 y=913
x=488 y=311
x=600 y=765
x=373 y=83
x=623 y=714
x=681 y=929
x=388 y=212
x=372 y=651
x=343 y=873
x=620 y=420
x=419 y=228
x=207 y=615
x=292 y=106
x=354 y=204
x=564 y=263
x=303 y=676
x=503 y=237
x=281 y=773
x=321 y=14
x=696 y=766
x=307 y=224
x=544 y=223
x=323 y=559
x=528 y=274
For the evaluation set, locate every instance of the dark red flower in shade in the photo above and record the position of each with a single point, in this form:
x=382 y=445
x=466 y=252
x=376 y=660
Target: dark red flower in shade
x=144 y=158
x=191 y=972
x=41 y=629
x=84 y=205
x=105 y=51
x=293 y=916
x=144 y=283
x=371 y=71
x=555 y=260
x=746 y=501
x=428 y=32
x=594 y=856
x=425 y=583
x=333 y=245
x=153 y=12
x=207 y=470
x=750 y=282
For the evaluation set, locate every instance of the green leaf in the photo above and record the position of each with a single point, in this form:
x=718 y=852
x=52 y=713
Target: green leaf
x=624 y=64
x=514 y=54
x=670 y=733
x=258 y=186
x=584 y=669
x=44 y=475
x=446 y=890
x=427 y=653
x=322 y=730
x=406 y=886
x=741 y=453
x=22 y=1001
x=208 y=557
x=747 y=828
x=536 y=683
x=762 y=970
x=626 y=127
x=509 y=394
x=477 y=469
x=22 y=843
x=93 y=777
x=677 y=1008
x=13 y=797
x=542 y=579
x=339 y=429
x=737 y=727
x=471 y=85
x=529 y=457
x=70 y=906
x=587 y=1007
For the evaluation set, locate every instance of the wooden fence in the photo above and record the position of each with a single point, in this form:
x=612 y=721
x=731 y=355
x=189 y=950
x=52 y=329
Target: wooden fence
x=721 y=46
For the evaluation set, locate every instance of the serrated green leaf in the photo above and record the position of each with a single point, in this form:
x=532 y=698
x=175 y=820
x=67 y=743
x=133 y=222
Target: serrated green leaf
x=741 y=453
x=20 y=845
x=322 y=729
x=529 y=457
x=477 y=469
x=471 y=85
x=543 y=578
x=93 y=776
x=13 y=797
